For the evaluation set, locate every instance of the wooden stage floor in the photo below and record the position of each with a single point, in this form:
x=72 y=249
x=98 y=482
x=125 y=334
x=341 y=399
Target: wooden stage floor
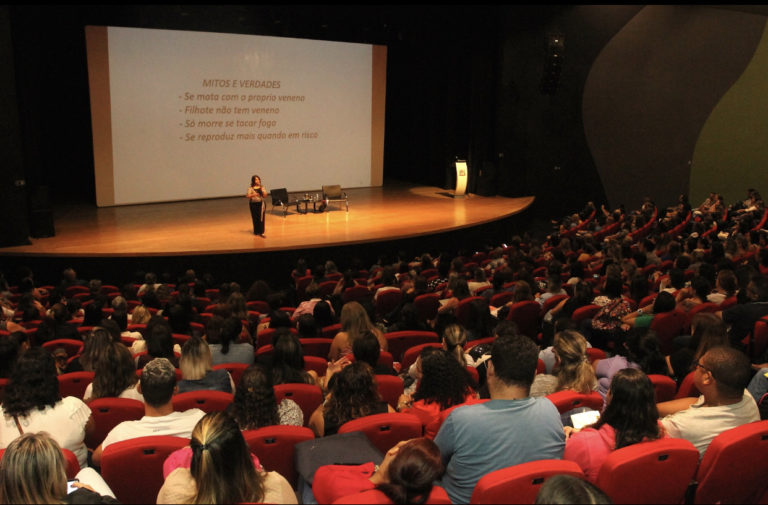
x=219 y=226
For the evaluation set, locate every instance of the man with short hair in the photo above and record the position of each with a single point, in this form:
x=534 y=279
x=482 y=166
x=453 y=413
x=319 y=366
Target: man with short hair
x=157 y=385
x=721 y=375
x=509 y=429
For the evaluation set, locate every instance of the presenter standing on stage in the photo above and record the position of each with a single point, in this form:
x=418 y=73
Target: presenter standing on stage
x=256 y=195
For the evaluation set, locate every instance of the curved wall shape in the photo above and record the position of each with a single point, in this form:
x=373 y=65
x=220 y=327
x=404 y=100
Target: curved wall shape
x=732 y=152
x=651 y=90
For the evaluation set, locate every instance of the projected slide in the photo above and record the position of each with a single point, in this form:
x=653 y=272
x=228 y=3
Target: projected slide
x=181 y=115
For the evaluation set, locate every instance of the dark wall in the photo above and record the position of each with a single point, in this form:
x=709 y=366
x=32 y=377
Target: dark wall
x=462 y=81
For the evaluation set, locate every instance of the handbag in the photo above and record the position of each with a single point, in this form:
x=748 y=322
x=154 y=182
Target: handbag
x=352 y=448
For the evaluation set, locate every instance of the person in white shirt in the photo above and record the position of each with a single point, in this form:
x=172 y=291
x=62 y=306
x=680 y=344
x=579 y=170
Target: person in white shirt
x=721 y=375
x=157 y=385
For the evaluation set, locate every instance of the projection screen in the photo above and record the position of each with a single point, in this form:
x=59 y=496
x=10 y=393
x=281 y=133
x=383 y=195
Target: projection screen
x=181 y=115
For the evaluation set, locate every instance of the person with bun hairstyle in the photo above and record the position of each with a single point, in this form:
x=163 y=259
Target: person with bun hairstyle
x=406 y=474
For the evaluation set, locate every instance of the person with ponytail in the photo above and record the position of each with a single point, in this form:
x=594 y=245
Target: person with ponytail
x=630 y=417
x=226 y=348
x=405 y=475
x=221 y=469
x=572 y=370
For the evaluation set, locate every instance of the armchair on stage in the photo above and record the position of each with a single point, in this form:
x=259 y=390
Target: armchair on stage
x=280 y=198
x=334 y=194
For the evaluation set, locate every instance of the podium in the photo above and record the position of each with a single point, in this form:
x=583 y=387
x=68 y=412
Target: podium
x=461 y=178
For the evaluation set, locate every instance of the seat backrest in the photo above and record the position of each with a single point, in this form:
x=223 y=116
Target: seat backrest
x=521 y=481
x=667 y=326
x=412 y=353
x=585 y=312
x=658 y=471
x=502 y=298
x=387 y=301
x=385 y=430
x=664 y=386
x=316 y=346
x=316 y=363
x=327 y=288
x=72 y=346
x=399 y=341
x=332 y=191
x=274 y=446
x=308 y=396
x=552 y=302
x=259 y=306
x=329 y=332
x=427 y=305
x=595 y=353
x=108 y=413
x=759 y=339
x=463 y=309
x=568 y=400
x=74 y=383
x=206 y=400
x=133 y=468
x=235 y=370
x=527 y=315
x=687 y=387
x=356 y=294
x=437 y=496
x=734 y=466
x=390 y=388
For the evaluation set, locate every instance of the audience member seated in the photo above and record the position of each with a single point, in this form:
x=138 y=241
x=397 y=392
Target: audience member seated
x=605 y=327
x=308 y=306
x=565 y=489
x=227 y=349
x=643 y=316
x=641 y=350
x=32 y=403
x=307 y=326
x=222 y=469
x=33 y=470
x=352 y=394
x=255 y=405
x=572 y=370
x=741 y=317
x=509 y=429
x=197 y=371
x=159 y=343
x=726 y=286
x=443 y=383
x=693 y=295
x=11 y=347
x=721 y=375
x=708 y=331
x=366 y=348
x=630 y=416
x=287 y=363
x=114 y=375
x=406 y=475
x=354 y=322
x=158 y=385
x=458 y=289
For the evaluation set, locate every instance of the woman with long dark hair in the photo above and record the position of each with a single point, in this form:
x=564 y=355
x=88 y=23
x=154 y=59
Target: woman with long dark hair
x=222 y=469
x=255 y=405
x=288 y=361
x=351 y=394
x=226 y=348
x=630 y=417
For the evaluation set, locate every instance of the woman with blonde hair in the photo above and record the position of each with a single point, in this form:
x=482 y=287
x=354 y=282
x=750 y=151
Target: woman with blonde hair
x=33 y=470
x=197 y=370
x=354 y=322
x=222 y=469
x=454 y=339
x=572 y=370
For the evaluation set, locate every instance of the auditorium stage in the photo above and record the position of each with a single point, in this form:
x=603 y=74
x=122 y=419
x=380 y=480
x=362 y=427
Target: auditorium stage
x=223 y=226
x=117 y=244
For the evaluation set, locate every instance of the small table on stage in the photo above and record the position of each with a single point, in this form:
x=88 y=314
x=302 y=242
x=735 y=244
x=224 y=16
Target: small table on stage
x=305 y=203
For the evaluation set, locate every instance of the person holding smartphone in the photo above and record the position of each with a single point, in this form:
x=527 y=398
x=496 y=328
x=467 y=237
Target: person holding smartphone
x=33 y=470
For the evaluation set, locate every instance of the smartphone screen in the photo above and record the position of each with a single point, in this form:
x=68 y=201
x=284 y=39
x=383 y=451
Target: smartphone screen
x=71 y=487
x=584 y=418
